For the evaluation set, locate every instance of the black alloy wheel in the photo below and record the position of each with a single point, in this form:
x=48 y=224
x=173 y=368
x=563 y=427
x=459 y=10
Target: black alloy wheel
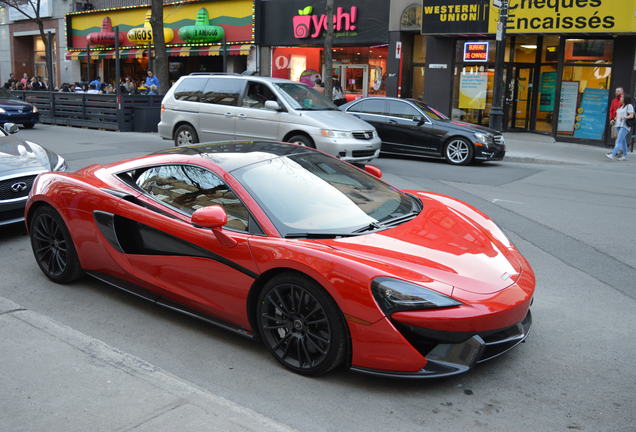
x=53 y=247
x=301 y=325
x=458 y=151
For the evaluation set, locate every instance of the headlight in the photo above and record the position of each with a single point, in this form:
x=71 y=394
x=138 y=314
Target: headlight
x=335 y=133
x=482 y=137
x=2 y=111
x=60 y=165
x=395 y=295
x=35 y=109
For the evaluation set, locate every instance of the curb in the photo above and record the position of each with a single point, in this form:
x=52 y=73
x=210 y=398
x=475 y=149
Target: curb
x=536 y=160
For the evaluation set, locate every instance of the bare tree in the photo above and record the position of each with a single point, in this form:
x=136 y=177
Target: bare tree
x=327 y=79
x=31 y=11
x=161 y=55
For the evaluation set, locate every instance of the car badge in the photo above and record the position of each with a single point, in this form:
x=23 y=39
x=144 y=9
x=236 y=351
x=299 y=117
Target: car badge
x=18 y=187
x=367 y=135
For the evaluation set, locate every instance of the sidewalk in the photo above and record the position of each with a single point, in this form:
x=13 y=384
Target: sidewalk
x=535 y=148
x=55 y=378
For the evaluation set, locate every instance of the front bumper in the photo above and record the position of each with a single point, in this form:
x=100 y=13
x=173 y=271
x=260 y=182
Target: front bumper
x=452 y=358
x=349 y=149
x=491 y=154
x=19 y=117
x=12 y=211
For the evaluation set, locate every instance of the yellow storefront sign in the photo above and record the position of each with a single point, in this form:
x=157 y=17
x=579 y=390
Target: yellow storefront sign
x=567 y=16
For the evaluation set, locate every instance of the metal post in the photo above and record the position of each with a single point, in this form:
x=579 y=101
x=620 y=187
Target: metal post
x=496 y=112
x=118 y=78
x=88 y=62
x=49 y=67
x=224 y=48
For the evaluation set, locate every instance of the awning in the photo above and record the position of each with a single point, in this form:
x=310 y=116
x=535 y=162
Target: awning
x=182 y=51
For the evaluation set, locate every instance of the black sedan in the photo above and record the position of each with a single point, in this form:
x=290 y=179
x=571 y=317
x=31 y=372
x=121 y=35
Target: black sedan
x=20 y=162
x=410 y=127
x=16 y=111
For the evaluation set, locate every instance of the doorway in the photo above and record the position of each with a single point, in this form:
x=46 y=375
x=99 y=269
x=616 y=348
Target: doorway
x=519 y=96
x=354 y=79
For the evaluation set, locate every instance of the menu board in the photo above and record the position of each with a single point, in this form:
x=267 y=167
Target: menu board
x=547 y=91
x=473 y=88
x=567 y=106
x=591 y=115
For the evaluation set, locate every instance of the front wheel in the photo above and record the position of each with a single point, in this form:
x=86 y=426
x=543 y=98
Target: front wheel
x=301 y=325
x=185 y=135
x=53 y=247
x=302 y=140
x=458 y=151
x=28 y=125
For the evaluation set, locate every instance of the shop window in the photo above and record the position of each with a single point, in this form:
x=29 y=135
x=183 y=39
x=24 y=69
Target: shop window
x=370 y=106
x=589 y=50
x=525 y=49
x=547 y=95
x=550 y=49
x=257 y=94
x=584 y=101
x=223 y=91
x=190 y=89
x=402 y=109
x=472 y=94
x=419 y=49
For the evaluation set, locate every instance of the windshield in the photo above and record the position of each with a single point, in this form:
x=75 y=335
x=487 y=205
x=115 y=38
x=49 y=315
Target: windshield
x=301 y=97
x=429 y=110
x=313 y=193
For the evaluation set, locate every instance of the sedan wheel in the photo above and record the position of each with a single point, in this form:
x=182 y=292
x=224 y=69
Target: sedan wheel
x=458 y=151
x=301 y=325
x=53 y=247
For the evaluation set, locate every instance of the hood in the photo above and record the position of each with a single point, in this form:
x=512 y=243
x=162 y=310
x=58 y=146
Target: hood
x=336 y=120
x=440 y=244
x=457 y=125
x=18 y=156
x=12 y=103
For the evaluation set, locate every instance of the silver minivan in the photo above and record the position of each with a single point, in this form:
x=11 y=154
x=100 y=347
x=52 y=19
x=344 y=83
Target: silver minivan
x=220 y=107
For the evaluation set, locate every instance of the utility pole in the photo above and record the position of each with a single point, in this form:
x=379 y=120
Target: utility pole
x=328 y=51
x=496 y=112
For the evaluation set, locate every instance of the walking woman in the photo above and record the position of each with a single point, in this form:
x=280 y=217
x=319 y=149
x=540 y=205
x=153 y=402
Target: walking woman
x=624 y=124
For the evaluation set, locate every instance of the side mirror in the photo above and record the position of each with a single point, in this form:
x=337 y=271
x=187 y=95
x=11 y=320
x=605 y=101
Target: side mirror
x=373 y=170
x=11 y=128
x=272 y=105
x=213 y=217
x=420 y=120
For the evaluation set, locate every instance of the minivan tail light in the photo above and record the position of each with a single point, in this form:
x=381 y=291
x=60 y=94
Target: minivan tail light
x=163 y=108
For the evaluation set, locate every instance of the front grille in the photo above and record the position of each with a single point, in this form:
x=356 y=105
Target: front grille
x=11 y=214
x=499 y=139
x=362 y=153
x=363 y=135
x=6 y=193
x=500 y=341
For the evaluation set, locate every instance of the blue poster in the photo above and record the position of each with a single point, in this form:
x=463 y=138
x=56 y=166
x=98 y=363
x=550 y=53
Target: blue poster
x=547 y=91
x=591 y=115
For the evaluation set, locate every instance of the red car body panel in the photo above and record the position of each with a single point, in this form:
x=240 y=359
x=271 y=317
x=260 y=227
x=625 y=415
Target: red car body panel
x=450 y=247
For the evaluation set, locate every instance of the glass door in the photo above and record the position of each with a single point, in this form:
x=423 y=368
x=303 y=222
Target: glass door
x=519 y=97
x=355 y=80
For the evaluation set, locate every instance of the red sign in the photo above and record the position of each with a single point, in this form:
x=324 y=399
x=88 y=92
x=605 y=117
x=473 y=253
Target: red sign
x=476 y=51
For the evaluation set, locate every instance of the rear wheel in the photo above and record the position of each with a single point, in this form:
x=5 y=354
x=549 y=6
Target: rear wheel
x=53 y=247
x=185 y=135
x=458 y=151
x=301 y=325
x=28 y=125
x=302 y=140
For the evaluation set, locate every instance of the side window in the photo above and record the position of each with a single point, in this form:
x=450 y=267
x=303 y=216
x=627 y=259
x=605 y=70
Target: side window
x=223 y=91
x=257 y=94
x=188 y=188
x=190 y=89
x=402 y=109
x=370 y=106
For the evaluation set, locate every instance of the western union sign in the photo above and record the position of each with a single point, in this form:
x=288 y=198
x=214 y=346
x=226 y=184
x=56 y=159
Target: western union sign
x=530 y=16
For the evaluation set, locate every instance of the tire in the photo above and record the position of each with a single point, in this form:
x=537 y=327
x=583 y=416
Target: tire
x=28 y=125
x=458 y=151
x=185 y=135
x=302 y=140
x=53 y=247
x=301 y=325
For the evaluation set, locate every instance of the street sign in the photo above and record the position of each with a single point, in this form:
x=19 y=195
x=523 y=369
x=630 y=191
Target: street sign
x=398 y=50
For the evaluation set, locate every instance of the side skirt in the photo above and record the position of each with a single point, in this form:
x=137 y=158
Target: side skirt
x=154 y=298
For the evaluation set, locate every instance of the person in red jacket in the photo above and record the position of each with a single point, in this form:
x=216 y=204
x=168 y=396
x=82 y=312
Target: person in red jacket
x=616 y=104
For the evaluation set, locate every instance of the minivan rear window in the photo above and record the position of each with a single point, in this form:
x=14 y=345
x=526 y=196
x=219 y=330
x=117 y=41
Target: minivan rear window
x=190 y=89
x=223 y=91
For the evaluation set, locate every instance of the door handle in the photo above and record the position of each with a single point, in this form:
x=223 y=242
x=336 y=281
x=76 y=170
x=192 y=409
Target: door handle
x=393 y=122
x=242 y=115
x=229 y=114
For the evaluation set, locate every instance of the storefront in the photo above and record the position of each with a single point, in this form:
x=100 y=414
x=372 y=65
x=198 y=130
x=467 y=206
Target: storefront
x=196 y=34
x=293 y=34
x=562 y=62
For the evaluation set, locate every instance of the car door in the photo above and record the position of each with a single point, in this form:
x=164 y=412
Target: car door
x=407 y=129
x=254 y=121
x=219 y=108
x=186 y=104
x=372 y=110
x=179 y=261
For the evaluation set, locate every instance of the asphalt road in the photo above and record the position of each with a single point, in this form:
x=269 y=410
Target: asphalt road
x=575 y=224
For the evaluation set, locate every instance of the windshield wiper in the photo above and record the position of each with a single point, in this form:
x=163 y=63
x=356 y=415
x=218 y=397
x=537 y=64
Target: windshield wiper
x=402 y=218
x=371 y=227
x=316 y=235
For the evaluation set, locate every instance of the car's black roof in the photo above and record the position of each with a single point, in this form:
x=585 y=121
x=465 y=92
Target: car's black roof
x=233 y=155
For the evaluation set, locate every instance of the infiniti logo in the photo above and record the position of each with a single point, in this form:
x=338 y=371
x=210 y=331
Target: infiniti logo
x=19 y=187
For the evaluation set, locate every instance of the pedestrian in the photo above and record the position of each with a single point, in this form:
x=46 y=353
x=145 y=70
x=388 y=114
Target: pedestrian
x=624 y=124
x=10 y=82
x=319 y=86
x=338 y=94
x=153 y=90
x=151 y=80
x=92 y=89
x=97 y=83
x=614 y=105
x=24 y=80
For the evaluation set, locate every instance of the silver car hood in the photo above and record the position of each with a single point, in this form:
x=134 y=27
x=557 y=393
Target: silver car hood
x=336 y=120
x=18 y=156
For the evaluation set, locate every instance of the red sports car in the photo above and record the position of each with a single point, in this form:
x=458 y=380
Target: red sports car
x=323 y=262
